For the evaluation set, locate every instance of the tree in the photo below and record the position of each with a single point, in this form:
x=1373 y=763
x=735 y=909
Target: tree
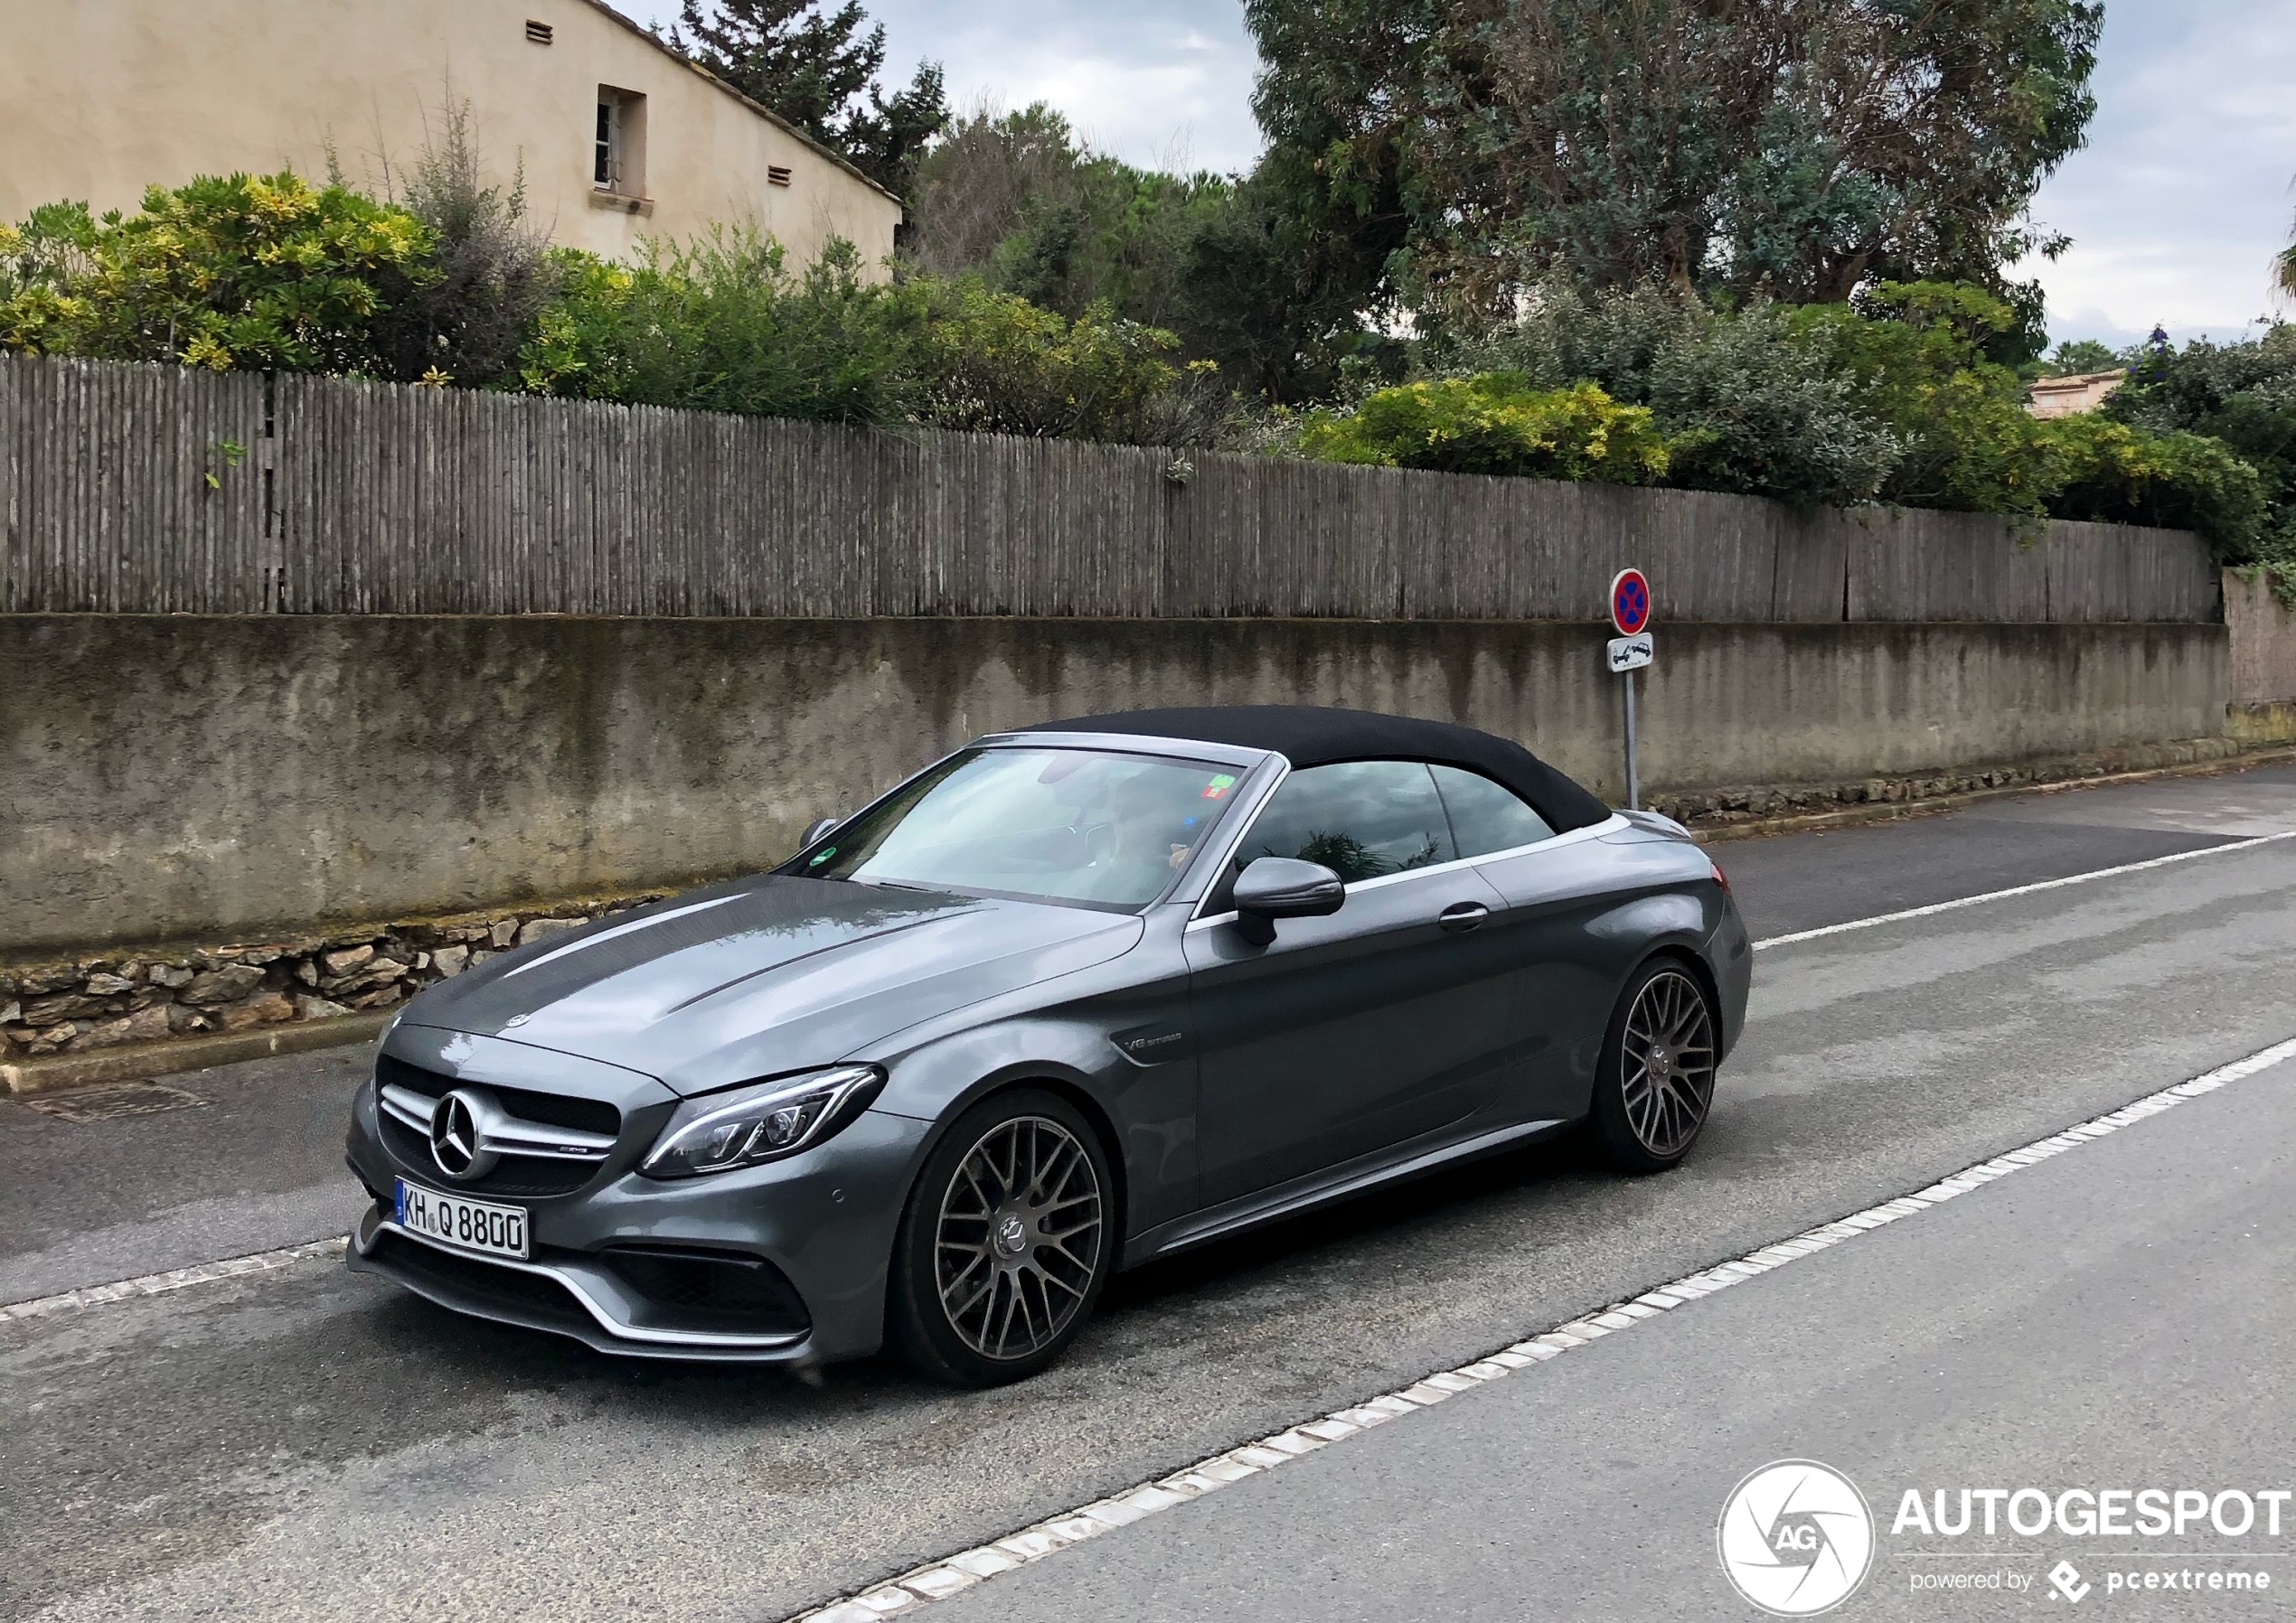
x=810 y=61
x=1795 y=147
x=990 y=174
x=2284 y=269
x=1015 y=199
x=1332 y=205
x=1234 y=265
x=888 y=139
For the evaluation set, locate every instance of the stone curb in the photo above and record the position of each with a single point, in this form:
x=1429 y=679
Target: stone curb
x=140 y=1062
x=1937 y=806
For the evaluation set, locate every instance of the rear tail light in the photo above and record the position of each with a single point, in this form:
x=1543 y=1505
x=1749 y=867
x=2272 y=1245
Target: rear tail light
x=1720 y=878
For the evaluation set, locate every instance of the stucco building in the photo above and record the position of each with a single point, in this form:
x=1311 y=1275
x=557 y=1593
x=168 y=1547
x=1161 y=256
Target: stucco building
x=619 y=137
x=2069 y=392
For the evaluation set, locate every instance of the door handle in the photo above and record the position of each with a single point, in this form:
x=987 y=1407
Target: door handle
x=1463 y=916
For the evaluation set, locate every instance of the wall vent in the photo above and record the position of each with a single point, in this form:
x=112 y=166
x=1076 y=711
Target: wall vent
x=776 y=175
x=539 y=32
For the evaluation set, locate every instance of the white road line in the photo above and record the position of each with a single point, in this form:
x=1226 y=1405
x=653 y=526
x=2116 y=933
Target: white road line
x=175 y=1278
x=940 y=1579
x=2023 y=890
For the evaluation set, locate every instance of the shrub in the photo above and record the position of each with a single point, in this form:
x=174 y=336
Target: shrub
x=250 y=271
x=1744 y=403
x=1918 y=355
x=1494 y=423
x=719 y=325
x=1748 y=410
x=491 y=273
x=2108 y=471
x=2244 y=395
x=992 y=361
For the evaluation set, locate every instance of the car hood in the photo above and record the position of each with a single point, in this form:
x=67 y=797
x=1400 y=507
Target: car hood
x=764 y=976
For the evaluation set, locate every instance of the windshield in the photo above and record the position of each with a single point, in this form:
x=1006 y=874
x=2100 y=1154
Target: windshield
x=1063 y=825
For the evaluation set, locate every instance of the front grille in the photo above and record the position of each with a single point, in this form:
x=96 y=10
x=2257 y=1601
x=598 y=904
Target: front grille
x=711 y=1292
x=534 y=1297
x=514 y=1174
x=552 y=1109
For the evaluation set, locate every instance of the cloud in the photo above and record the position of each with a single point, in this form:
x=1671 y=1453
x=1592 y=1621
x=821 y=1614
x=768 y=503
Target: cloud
x=1163 y=85
x=2182 y=196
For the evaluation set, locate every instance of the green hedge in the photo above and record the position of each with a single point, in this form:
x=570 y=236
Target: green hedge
x=1893 y=398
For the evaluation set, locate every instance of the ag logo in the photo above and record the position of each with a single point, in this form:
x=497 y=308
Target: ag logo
x=1796 y=1538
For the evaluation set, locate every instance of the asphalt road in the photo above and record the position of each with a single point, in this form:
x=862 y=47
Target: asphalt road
x=2116 y=1317
x=309 y=1444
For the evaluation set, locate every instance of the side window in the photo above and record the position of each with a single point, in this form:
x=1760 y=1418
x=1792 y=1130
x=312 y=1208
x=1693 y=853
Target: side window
x=1484 y=817
x=1360 y=819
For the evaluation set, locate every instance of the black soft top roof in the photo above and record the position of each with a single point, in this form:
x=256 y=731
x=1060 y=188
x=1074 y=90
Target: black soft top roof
x=1309 y=735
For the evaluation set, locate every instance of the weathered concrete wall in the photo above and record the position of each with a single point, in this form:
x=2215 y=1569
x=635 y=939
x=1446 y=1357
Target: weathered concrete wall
x=2264 y=641
x=183 y=776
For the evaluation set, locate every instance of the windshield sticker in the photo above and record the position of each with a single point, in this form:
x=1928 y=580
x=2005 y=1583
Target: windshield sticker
x=1220 y=784
x=825 y=857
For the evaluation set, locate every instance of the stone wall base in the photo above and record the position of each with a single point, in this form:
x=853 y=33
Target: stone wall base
x=2270 y=722
x=1722 y=808
x=185 y=995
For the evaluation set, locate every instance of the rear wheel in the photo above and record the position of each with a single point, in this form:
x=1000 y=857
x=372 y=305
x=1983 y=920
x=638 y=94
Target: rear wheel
x=1656 y=1081
x=1006 y=1242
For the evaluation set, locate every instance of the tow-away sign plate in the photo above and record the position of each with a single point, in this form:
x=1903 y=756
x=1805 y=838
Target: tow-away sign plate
x=1630 y=653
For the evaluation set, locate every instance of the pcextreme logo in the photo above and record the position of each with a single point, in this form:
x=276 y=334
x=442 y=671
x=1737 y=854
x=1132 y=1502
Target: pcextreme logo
x=1796 y=1538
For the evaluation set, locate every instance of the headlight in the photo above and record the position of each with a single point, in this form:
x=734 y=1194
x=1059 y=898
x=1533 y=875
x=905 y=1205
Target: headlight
x=761 y=1122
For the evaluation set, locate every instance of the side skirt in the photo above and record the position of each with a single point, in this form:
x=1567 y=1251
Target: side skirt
x=1333 y=1184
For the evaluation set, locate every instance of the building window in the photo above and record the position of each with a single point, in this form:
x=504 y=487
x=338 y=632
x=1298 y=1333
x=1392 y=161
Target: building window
x=618 y=159
x=539 y=32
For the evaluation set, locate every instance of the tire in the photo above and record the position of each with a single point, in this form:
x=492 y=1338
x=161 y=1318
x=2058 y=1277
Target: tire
x=1009 y=1236
x=1655 y=1083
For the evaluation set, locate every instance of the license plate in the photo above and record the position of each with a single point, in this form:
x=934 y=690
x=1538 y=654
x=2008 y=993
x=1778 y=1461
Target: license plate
x=469 y=1225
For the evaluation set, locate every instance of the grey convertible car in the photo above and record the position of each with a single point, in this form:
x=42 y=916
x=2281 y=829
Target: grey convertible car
x=1074 y=997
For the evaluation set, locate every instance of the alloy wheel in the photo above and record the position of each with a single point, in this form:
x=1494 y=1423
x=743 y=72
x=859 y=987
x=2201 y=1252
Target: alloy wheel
x=1018 y=1242
x=1667 y=1063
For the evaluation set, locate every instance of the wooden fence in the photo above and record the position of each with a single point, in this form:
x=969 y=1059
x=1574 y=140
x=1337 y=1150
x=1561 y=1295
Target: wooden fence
x=157 y=489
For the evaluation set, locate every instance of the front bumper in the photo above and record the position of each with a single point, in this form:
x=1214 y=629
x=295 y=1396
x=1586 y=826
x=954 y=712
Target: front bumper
x=819 y=1226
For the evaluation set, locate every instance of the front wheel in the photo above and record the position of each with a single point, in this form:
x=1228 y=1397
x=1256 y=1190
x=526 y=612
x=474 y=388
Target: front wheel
x=1006 y=1242
x=1656 y=1079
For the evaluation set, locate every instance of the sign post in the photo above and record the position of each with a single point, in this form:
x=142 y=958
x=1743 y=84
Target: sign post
x=1628 y=652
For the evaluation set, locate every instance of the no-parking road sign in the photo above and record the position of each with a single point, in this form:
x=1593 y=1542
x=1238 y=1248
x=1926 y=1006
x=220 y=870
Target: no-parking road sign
x=1629 y=602
x=1628 y=652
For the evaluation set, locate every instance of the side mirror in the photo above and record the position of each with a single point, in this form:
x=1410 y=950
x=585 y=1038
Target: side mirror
x=818 y=829
x=1276 y=887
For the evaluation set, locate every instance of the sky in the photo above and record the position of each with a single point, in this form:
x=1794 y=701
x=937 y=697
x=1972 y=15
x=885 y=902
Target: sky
x=2176 y=206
